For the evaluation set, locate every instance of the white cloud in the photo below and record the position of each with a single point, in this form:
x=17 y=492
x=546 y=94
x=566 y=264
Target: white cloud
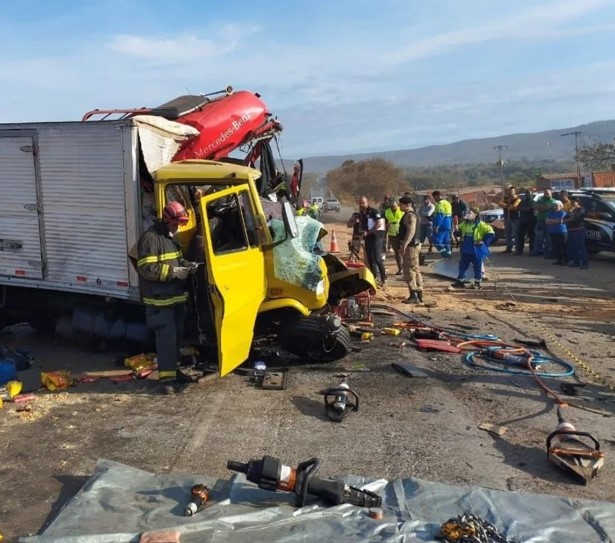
x=534 y=23
x=182 y=48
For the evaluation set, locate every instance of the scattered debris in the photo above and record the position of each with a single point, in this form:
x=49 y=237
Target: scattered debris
x=493 y=429
x=436 y=345
x=274 y=380
x=408 y=369
x=56 y=380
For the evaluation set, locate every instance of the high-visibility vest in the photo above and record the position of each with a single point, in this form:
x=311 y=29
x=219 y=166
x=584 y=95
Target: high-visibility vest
x=393 y=218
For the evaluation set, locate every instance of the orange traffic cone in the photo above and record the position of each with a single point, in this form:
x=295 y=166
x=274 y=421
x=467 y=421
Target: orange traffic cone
x=334 y=248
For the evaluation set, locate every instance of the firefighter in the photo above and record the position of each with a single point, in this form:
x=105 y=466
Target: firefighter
x=314 y=211
x=476 y=236
x=162 y=271
x=442 y=223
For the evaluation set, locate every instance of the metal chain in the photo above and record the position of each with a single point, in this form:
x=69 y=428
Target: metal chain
x=469 y=528
x=547 y=335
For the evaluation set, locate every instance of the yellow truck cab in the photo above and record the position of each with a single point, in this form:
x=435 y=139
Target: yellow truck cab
x=263 y=270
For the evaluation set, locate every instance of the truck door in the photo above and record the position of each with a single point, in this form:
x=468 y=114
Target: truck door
x=20 y=235
x=235 y=271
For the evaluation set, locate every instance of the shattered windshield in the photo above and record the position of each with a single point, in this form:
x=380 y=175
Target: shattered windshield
x=294 y=260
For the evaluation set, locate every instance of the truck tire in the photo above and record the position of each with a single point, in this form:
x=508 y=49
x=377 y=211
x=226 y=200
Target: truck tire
x=306 y=337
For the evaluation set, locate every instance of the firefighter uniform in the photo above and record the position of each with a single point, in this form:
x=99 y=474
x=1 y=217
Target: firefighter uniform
x=164 y=295
x=476 y=236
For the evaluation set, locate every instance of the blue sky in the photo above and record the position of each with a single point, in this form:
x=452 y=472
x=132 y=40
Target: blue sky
x=342 y=76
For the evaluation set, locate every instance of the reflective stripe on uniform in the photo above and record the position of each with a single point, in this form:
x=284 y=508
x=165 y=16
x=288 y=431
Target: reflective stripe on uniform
x=165 y=270
x=163 y=302
x=158 y=258
x=171 y=374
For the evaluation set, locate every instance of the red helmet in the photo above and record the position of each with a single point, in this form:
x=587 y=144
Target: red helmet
x=175 y=213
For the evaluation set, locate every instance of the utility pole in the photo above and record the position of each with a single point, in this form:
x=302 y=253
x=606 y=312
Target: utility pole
x=501 y=164
x=576 y=135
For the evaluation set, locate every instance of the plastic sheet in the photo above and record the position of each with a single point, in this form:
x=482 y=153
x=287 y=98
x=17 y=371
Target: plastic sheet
x=294 y=260
x=119 y=502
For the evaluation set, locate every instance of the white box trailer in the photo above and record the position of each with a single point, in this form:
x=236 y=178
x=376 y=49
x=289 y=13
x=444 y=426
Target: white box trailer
x=70 y=212
x=70 y=206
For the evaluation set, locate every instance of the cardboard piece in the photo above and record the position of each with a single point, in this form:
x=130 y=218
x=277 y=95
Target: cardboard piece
x=494 y=428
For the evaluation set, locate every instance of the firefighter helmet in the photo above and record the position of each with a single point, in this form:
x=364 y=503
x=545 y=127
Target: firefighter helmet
x=174 y=213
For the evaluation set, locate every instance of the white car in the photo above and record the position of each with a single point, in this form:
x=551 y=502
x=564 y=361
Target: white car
x=332 y=204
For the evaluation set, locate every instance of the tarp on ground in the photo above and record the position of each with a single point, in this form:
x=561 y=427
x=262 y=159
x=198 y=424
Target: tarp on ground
x=119 y=502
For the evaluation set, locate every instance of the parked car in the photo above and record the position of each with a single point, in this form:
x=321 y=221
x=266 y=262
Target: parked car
x=599 y=204
x=495 y=219
x=332 y=204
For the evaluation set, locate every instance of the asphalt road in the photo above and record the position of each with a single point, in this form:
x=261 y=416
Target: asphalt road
x=426 y=428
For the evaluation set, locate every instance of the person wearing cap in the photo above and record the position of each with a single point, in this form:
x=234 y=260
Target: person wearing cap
x=476 y=236
x=426 y=215
x=509 y=204
x=442 y=224
x=162 y=271
x=410 y=247
x=460 y=208
x=392 y=217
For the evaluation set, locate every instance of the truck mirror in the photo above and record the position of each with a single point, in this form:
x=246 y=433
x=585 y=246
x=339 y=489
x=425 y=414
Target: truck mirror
x=288 y=216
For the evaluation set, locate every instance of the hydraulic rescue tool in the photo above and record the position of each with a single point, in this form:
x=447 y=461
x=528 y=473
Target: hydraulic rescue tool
x=576 y=452
x=270 y=474
x=200 y=496
x=340 y=401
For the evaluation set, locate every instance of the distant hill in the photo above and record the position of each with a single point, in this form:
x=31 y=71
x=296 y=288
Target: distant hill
x=547 y=145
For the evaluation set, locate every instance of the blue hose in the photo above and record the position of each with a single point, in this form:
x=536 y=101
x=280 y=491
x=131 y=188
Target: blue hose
x=538 y=358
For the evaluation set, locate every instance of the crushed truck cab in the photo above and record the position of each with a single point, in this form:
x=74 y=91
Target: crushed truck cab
x=263 y=270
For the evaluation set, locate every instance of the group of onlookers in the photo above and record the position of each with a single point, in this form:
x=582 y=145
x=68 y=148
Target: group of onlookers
x=552 y=227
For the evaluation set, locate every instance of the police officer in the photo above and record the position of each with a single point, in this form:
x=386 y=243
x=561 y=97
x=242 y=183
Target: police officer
x=410 y=247
x=162 y=271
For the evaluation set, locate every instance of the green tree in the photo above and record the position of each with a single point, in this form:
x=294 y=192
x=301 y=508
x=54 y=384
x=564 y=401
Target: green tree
x=600 y=156
x=372 y=178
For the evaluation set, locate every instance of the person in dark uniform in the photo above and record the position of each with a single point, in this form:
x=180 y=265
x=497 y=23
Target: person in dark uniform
x=162 y=272
x=373 y=227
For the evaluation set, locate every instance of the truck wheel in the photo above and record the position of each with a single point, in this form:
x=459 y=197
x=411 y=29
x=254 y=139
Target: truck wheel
x=310 y=339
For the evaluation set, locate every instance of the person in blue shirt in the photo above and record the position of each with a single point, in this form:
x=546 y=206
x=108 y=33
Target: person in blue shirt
x=575 y=245
x=476 y=236
x=556 y=228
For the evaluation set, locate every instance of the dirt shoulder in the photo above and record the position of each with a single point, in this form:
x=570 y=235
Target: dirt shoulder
x=425 y=428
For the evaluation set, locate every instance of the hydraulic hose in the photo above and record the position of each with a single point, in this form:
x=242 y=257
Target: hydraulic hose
x=447 y=331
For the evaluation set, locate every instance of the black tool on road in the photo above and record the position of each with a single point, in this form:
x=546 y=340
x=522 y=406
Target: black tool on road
x=340 y=401
x=270 y=474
